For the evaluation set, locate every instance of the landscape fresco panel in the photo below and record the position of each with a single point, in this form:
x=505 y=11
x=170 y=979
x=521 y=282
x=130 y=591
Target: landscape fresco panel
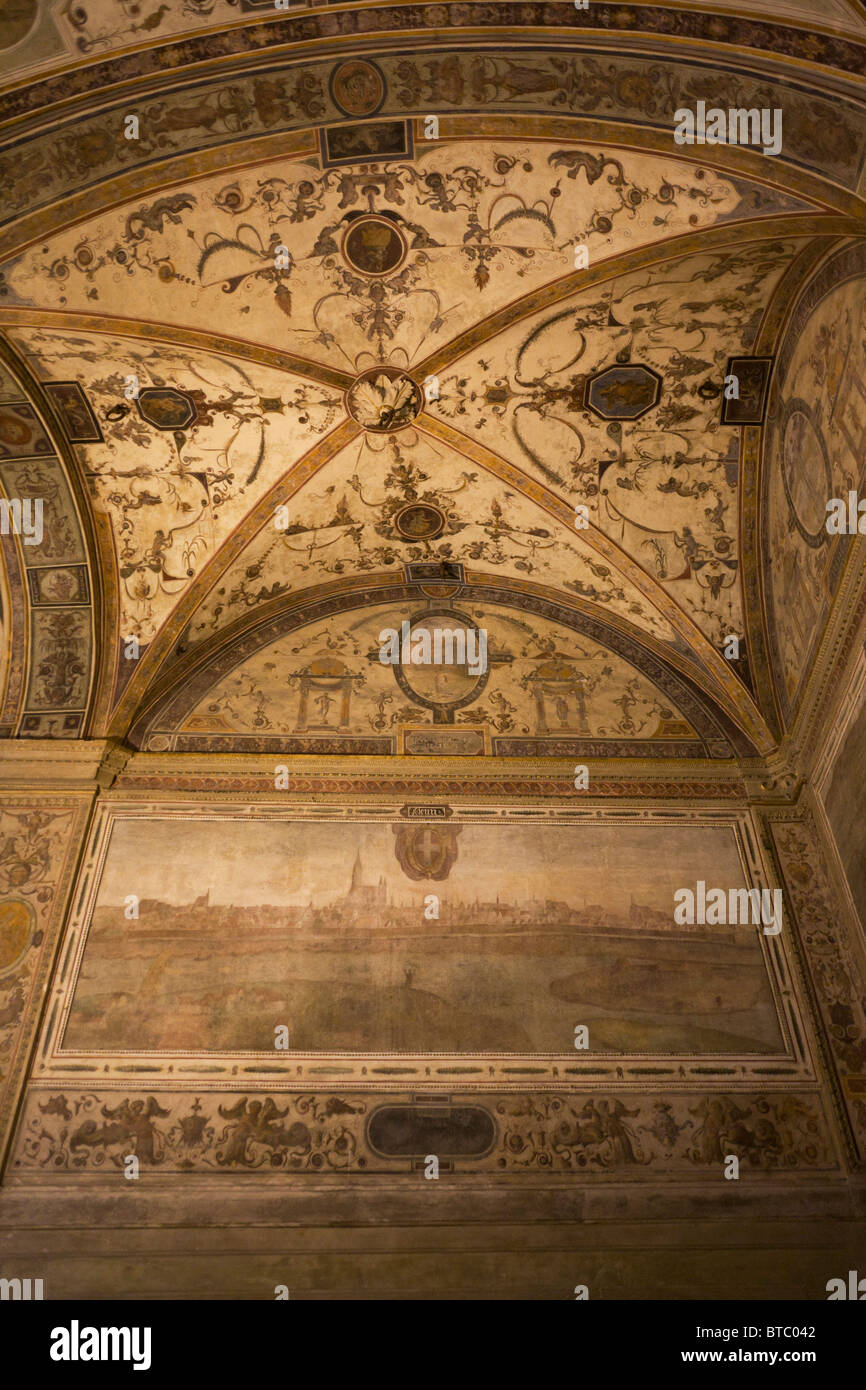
x=244 y=925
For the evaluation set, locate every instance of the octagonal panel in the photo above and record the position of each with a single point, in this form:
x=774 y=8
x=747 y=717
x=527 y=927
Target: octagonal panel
x=624 y=392
x=165 y=407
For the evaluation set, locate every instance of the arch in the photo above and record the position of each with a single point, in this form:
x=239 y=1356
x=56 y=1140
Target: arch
x=52 y=580
x=527 y=71
x=193 y=676
x=816 y=443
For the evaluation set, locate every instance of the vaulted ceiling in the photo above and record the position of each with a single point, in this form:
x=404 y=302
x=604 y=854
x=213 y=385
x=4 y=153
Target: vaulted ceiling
x=396 y=322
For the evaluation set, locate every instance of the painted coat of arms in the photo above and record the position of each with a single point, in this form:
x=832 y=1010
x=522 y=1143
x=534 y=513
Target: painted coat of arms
x=426 y=851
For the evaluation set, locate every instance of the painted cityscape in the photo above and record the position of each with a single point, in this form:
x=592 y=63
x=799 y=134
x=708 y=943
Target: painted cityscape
x=518 y=955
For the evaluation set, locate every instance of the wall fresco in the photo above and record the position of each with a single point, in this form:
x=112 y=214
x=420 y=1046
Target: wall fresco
x=329 y=938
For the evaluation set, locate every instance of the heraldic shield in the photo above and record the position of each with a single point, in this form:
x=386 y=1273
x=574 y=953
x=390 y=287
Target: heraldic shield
x=426 y=851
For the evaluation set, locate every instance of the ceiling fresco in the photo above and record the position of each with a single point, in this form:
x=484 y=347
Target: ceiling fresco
x=176 y=472
x=381 y=366
x=85 y=157
x=352 y=520
x=381 y=263
x=648 y=457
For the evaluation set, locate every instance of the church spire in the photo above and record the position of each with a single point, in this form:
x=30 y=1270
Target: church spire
x=357 y=873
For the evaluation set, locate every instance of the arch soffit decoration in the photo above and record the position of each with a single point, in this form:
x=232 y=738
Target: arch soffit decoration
x=36 y=46
x=66 y=173
x=51 y=571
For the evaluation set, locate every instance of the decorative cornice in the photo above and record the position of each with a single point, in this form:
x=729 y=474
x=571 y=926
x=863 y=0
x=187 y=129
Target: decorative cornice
x=526 y=781
x=70 y=763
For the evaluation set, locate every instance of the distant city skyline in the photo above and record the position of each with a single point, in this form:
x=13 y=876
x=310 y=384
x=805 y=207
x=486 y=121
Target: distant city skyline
x=298 y=862
x=394 y=903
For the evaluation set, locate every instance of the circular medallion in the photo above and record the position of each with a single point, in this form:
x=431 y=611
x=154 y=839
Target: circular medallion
x=14 y=431
x=373 y=245
x=445 y=659
x=419 y=521
x=384 y=399
x=357 y=87
x=17 y=925
x=807 y=477
x=17 y=18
